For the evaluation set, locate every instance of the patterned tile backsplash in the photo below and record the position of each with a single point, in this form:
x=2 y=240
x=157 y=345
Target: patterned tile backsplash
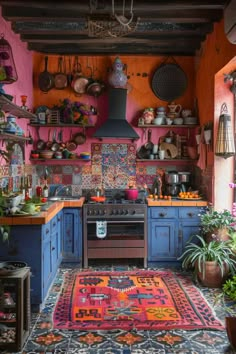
x=111 y=166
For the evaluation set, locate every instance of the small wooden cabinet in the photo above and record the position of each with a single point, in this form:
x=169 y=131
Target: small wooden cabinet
x=169 y=228
x=72 y=235
x=14 y=310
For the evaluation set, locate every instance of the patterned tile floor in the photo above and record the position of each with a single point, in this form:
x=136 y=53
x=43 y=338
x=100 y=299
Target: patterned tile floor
x=45 y=340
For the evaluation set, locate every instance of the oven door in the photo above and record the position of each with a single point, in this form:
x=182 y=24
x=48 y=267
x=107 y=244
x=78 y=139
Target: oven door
x=124 y=239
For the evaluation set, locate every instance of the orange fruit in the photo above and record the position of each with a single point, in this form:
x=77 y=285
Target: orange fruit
x=165 y=197
x=161 y=196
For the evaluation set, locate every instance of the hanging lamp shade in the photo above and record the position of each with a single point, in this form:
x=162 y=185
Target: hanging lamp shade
x=225 y=146
x=8 y=73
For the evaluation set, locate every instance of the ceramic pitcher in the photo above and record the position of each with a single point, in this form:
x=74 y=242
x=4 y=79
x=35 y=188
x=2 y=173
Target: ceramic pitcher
x=175 y=109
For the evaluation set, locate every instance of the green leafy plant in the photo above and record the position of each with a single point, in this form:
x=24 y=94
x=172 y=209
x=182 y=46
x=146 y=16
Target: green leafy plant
x=199 y=252
x=213 y=219
x=229 y=288
x=232 y=241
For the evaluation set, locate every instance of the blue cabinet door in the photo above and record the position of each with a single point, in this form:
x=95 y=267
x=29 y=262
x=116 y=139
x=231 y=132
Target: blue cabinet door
x=162 y=240
x=187 y=228
x=72 y=235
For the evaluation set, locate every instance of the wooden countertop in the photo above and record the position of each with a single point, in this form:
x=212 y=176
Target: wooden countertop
x=175 y=202
x=44 y=216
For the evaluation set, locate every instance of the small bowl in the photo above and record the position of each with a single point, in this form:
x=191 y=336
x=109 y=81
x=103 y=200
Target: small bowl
x=46 y=154
x=178 y=121
x=169 y=121
x=35 y=156
x=157 y=121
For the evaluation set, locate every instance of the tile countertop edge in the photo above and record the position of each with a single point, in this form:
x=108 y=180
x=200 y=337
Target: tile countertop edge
x=44 y=216
x=151 y=202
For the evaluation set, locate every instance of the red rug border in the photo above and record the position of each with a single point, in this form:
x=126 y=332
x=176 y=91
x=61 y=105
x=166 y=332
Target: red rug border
x=177 y=276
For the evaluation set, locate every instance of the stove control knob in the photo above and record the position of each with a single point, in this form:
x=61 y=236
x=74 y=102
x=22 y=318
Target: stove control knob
x=121 y=212
x=126 y=212
x=101 y=212
x=132 y=212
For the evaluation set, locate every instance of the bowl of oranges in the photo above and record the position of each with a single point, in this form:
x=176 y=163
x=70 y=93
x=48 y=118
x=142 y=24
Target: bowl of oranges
x=192 y=195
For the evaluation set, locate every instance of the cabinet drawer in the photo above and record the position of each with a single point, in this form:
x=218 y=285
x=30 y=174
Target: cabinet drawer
x=163 y=212
x=189 y=213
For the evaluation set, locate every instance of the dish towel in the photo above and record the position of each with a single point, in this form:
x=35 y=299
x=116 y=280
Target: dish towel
x=101 y=229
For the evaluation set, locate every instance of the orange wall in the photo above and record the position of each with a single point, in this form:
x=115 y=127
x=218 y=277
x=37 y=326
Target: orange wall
x=211 y=91
x=140 y=70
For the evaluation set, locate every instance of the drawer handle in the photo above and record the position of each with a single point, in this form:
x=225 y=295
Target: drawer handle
x=54 y=224
x=162 y=214
x=47 y=231
x=53 y=248
x=191 y=214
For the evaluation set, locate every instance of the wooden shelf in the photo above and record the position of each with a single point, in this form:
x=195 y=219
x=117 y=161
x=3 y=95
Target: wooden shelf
x=165 y=160
x=168 y=126
x=14 y=137
x=7 y=106
x=57 y=160
x=62 y=125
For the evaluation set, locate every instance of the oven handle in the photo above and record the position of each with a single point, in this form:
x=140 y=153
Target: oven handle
x=115 y=222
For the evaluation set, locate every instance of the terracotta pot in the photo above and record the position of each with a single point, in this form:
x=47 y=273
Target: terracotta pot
x=218 y=234
x=213 y=277
x=230 y=324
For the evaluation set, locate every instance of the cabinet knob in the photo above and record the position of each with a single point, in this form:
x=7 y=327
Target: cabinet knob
x=53 y=248
x=162 y=215
x=190 y=215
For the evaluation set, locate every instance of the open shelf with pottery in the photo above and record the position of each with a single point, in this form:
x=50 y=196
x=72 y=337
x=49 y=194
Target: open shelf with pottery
x=8 y=106
x=13 y=137
x=38 y=125
x=168 y=126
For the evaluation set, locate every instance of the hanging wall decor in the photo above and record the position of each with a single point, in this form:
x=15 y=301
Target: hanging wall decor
x=225 y=146
x=8 y=73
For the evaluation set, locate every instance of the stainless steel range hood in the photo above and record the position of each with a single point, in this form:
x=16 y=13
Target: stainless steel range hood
x=116 y=125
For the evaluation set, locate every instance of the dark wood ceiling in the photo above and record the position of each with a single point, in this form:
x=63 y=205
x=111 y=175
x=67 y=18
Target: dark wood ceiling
x=158 y=27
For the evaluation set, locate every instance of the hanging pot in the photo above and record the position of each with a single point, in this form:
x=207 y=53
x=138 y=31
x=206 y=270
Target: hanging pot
x=79 y=138
x=71 y=145
x=40 y=145
x=79 y=82
x=46 y=79
x=60 y=78
x=55 y=146
x=95 y=88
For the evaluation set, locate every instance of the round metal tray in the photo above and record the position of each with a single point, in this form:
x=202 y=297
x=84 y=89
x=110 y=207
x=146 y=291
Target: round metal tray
x=169 y=82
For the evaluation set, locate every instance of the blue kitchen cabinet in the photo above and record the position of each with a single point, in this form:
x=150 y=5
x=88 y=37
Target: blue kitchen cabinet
x=37 y=245
x=169 y=229
x=72 y=235
x=162 y=234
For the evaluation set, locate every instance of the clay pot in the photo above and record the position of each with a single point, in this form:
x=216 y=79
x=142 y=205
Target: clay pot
x=212 y=277
x=230 y=324
x=131 y=194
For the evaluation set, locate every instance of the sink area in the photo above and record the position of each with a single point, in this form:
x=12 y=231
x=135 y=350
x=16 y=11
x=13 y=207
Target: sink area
x=61 y=198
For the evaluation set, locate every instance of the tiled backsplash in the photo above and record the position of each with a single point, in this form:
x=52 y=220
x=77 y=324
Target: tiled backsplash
x=111 y=166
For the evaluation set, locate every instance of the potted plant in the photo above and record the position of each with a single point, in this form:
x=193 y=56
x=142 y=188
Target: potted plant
x=216 y=225
x=212 y=261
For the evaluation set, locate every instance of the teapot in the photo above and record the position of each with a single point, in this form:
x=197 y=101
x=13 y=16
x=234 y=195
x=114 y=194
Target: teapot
x=174 y=109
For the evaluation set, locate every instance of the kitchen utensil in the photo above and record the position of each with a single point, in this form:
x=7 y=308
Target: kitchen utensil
x=172 y=189
x=98 y=199
x=79 y=82
x=184 y=177
x=46 y=154
x=169 y=81
x=46 y=79
x=131 y=194
x=149 y=145
x=49 y=142
x=40 y=145
x=71 y=145
x=55 y=146
x=60 y=78
x=79 y=138
x=172 y=177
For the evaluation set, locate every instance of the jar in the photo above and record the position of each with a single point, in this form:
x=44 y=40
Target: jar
x=11 y=126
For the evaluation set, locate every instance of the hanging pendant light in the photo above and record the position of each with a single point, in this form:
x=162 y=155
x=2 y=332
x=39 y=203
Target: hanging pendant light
x=225 y=146
x=8 y=73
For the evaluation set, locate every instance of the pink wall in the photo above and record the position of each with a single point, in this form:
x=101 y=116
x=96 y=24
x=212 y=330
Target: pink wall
x=23 y=59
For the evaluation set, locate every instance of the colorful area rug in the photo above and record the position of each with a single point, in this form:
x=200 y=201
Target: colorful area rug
x=145 y=300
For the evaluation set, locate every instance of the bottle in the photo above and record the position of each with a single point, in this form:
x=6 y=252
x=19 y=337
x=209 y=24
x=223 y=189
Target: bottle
x=45 y=190
x=39 y=191
x=30 y=190
x=22 y=187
